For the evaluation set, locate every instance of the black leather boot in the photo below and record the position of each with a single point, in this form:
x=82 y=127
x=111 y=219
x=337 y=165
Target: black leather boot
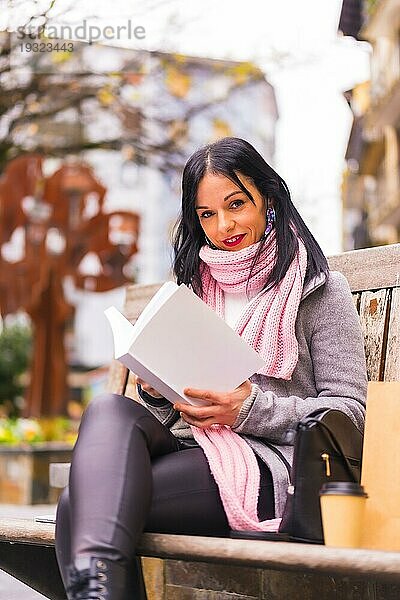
x=103 y=579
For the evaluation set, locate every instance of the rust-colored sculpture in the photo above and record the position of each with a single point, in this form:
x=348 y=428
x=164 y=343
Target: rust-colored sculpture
x=47 y=226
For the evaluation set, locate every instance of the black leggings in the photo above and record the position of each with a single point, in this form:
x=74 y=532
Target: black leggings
x=130 y=474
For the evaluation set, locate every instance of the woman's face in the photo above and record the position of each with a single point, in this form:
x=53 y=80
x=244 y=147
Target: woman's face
x=228 y=217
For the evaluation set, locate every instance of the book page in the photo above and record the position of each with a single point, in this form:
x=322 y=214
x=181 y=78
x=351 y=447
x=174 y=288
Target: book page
x=186 y=344
x=165 y=292
x=123 y=331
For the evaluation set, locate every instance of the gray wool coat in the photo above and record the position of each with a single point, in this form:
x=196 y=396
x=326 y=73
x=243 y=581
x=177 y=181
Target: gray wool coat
x=330 y=373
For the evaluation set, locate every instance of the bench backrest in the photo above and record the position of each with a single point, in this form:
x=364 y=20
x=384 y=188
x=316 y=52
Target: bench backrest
x=374 y=278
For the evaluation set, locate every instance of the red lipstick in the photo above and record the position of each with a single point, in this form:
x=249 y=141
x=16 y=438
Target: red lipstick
x=236 y=239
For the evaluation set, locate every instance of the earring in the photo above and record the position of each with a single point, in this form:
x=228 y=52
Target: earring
x=271 y=218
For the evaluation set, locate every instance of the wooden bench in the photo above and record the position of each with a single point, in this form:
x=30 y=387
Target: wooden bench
x=182 y=567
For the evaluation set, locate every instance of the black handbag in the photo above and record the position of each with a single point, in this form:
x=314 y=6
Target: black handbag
x=327 y=447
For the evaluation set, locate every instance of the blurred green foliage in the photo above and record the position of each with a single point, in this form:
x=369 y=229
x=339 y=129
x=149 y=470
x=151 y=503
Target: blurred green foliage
x=30 y=431
x=15 y=349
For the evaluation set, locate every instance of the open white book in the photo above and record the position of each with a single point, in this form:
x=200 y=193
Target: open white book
x=178 y=341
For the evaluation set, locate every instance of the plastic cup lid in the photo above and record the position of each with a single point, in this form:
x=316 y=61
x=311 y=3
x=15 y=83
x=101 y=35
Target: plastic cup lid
x=343 y=488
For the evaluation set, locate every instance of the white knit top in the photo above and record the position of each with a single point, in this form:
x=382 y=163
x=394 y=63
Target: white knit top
x=234 y=305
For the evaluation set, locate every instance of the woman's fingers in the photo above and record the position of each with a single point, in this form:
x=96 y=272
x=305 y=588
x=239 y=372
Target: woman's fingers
x=197 y=412
x=199 y=416
x=152 y=391
x=203 y=394
x=201 y=423
x=147 y=388
x=222 y=408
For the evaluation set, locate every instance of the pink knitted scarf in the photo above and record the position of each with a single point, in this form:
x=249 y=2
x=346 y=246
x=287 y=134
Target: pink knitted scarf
x=267 y=323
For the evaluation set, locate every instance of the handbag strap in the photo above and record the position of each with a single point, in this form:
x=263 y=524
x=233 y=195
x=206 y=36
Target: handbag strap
x=336 y=444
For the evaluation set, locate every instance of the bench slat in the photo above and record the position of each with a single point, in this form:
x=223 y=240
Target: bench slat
x=26 y=531
x=137 y=296
x=131 y=389
x=392 y=362
x=117 y=378
x=374 y=311
x=369 y=268
x=281 y=556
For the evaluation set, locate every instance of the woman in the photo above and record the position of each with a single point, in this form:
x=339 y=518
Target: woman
x=241 y=245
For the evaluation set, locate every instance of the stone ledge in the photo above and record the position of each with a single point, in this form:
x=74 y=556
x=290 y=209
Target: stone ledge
x=25 y=448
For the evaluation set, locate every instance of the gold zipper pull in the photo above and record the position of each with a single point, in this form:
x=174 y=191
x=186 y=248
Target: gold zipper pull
x=325 y=458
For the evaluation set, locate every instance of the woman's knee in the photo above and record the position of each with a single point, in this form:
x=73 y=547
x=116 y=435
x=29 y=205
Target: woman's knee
x=110 y=405
x=113 y=418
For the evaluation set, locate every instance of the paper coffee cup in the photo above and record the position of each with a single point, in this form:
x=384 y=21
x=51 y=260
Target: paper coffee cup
x=342 y=510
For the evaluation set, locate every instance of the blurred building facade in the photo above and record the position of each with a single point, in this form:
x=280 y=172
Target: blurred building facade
x=136 y=119
x=250 y=111
x=371 y=185
x=192 y=91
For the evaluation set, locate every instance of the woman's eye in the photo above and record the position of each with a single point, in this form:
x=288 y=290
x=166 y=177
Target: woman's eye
x=237 y=202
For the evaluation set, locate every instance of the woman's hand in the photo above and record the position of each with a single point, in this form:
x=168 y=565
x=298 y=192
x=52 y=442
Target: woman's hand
x=223 y=409
x=148 y=389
